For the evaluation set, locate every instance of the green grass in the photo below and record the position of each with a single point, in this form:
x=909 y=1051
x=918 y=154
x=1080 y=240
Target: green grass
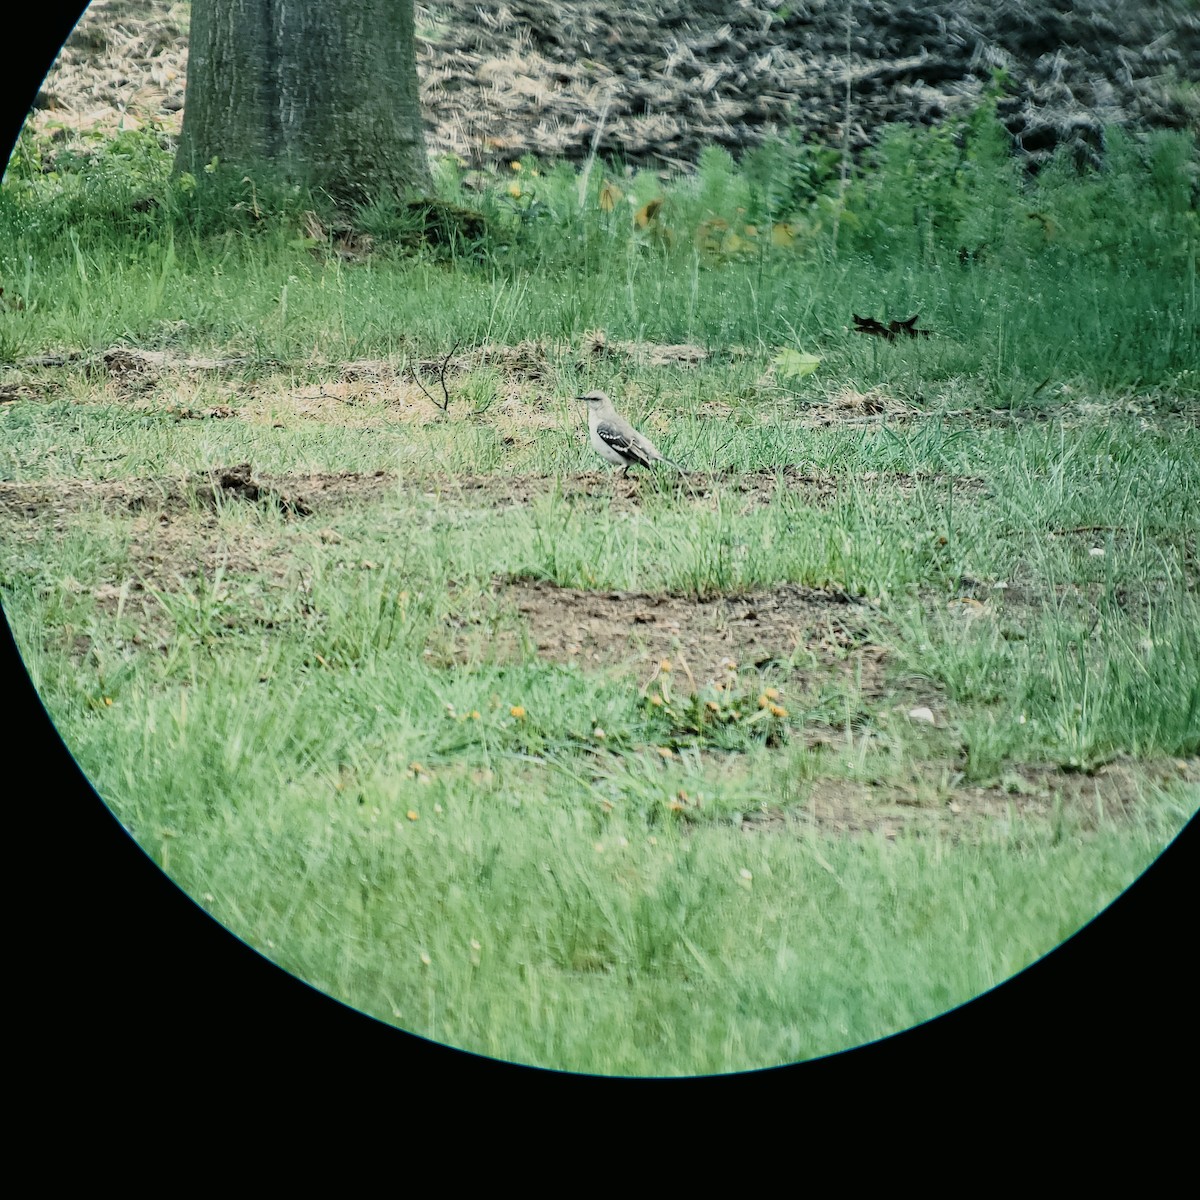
x=336 y=732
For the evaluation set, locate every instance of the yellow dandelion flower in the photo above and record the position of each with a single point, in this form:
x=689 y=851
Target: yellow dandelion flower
x=664 y=664
x=514 y=190
x=763 y=700
x=416 y=768
x=675 y=805
x=413 y=815
x=656 y=700
x=518 y=712
x=712 y=706
x=514 y=166
x=777 y=710
x=771 y=693
x=783 y=234
x=474 y=714
x=666 y=752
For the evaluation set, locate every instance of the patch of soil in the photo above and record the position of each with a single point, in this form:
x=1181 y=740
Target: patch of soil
x=126 y=360
x=1039 y=793
x=298 y=495
x=598 y=345
x=499 y=80
x=237 y=483
x=12 y=392
x=755 y=489
x=849 y=406
x=408 y=389
x=787 y=629
x=302 y=495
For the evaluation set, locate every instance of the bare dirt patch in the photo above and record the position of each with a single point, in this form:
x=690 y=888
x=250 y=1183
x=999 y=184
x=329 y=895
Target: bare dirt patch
x=787 y=629
x=751 y=489
x=502 y=80
x=297 y=495
x=303 y=495
x=1040 y=793
x=849 y=406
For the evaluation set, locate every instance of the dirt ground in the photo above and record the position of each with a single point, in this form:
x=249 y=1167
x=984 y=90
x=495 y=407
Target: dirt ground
x=956 y=809
x=656 y=84
x=798 y=638
x=175 y=535
x=782 y=629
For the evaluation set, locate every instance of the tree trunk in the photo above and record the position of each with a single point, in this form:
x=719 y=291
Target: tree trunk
x=324 y=91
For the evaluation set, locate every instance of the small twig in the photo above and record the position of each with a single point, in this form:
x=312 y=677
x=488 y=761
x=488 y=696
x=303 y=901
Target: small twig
x=1090 y=529
x=445 y=407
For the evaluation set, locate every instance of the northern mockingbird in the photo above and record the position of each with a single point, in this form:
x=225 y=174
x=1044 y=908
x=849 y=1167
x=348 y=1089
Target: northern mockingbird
x=614 y=439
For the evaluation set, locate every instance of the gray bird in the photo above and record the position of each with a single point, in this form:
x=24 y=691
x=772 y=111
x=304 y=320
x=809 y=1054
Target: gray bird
x=614 y=439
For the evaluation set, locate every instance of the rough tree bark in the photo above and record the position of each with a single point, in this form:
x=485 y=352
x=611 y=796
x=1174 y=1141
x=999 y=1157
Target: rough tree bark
x=324 y=91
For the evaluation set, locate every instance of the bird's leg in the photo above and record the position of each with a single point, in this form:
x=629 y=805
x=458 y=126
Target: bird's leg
x=625 y=472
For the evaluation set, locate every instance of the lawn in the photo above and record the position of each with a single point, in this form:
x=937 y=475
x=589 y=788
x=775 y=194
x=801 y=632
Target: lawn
x=887 y=693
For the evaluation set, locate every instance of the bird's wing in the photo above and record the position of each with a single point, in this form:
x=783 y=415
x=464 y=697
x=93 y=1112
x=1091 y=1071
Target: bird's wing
x=628 y=443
